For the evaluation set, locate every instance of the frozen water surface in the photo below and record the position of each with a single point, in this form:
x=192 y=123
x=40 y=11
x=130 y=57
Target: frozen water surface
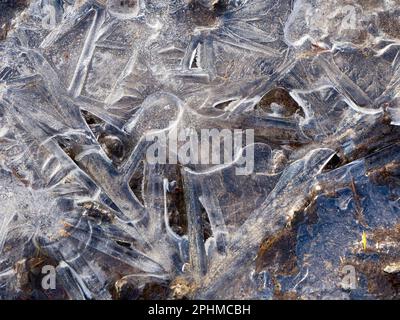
x=83 y=83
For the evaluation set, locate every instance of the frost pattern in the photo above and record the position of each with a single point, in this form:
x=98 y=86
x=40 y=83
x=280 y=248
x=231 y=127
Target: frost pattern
x=319 y=83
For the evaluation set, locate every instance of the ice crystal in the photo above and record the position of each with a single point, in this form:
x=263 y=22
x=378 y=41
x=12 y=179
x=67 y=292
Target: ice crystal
x=83 y=83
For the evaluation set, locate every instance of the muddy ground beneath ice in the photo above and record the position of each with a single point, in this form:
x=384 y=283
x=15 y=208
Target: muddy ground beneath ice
x=108 y=192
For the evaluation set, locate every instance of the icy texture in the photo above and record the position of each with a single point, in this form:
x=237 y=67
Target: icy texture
x=318 y=81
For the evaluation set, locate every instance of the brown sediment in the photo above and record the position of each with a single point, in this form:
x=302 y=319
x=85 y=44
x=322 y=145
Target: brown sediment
x=382 y=284
x=360 y=37
x=4 y=30
x=207 y=232
x=177 y=207
x=69 y=150
x=9 y=9
x=277 y=254
x=281 y=97
x=29 y=273
x=334 y=163
x=389 y=24
x=90 y=118
x=201 y=15
x=123 y=289
x=136 y=182
x=127 y=288
x=98 y=211
x=375 y=138
x=20 y=176
x=289 y=295
x=155 y=291
x=112 y=146
x=358 y=207
x=389 y=174
x=366 y=4
x=182 y=288
x=386 y=234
